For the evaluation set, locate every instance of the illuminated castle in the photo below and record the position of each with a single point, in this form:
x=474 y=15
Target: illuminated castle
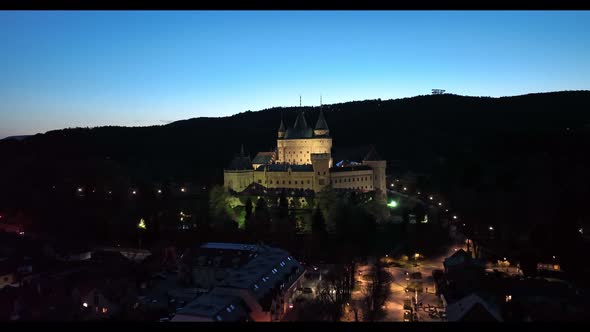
x=303 y=160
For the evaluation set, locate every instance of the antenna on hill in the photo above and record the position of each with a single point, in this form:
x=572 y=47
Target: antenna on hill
x=299 y=101
x=438 y=91
x=320 y=100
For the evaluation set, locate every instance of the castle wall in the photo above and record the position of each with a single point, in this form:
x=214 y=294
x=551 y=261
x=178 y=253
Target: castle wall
x=361 y=180
x=295 y=180
x=237 y=180
x=298 y=151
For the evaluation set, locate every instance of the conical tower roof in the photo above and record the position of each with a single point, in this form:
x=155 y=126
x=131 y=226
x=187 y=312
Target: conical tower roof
x=321 y=124
x=300 y=123
x=282 y=126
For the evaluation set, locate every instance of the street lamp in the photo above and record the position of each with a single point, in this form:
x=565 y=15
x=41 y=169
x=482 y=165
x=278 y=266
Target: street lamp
x=491 y=228
x=455 y=217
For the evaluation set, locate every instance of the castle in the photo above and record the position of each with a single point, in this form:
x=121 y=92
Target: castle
x=303 y=160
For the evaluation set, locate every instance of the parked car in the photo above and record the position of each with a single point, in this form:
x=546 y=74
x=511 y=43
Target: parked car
x=407 y=316
x=407 y=304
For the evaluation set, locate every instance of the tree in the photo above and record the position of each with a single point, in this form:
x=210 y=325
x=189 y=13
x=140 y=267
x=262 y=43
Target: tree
x=261 y=217
x=376 y=291
x=283 y=206
x=335 y=290
x=318 y=224
x=248 y=208
x=219 y=208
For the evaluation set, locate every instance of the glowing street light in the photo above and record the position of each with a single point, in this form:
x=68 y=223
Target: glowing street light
x=183 y=189
x=392 y=204
x=405 y=188
x=141 y=224
x=159 y=191
x=134 y=192
x=79 y=190
x=455 y=217
x=85 y=305
x=439 y=204
x=431 y=198
x=491 y=228
x=446 y=210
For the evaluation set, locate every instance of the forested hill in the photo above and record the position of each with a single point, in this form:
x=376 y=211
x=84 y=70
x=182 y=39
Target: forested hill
x=418 y=132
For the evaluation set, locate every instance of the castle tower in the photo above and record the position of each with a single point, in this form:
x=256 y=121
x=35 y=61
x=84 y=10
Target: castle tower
x=321 y=170
x=378 y=165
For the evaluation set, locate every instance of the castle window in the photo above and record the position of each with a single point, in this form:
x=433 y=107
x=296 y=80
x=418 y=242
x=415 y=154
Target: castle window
x=259 y=181
x=270 y=181
x=295 y=182
x=308 y=182
x=318 y=172
x=289 y=181
x=283 y=181
x=324 y=172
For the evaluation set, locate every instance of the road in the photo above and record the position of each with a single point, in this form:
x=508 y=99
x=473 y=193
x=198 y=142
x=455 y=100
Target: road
x=394 y=304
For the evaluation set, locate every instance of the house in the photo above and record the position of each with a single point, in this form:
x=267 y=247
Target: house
x=473 y=308
x=263 y=277
x=461 y=267
x=214 y=306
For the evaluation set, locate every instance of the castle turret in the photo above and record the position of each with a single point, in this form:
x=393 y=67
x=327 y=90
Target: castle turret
x=282 y=129
x=321 y=127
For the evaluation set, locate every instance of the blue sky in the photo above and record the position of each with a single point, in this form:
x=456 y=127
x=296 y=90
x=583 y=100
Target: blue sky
x=65 y=68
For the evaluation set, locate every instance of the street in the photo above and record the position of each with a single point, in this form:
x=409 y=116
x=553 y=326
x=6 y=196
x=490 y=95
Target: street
x=401 y=273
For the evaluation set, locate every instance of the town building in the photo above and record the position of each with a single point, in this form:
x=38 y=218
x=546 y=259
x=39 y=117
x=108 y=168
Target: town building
x=240 y=282
x=303 y=160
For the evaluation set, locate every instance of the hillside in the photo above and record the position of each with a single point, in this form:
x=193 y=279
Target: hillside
x=417 y=133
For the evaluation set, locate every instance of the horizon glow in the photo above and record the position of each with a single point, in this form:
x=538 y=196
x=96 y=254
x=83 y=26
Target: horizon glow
x=137 y=68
